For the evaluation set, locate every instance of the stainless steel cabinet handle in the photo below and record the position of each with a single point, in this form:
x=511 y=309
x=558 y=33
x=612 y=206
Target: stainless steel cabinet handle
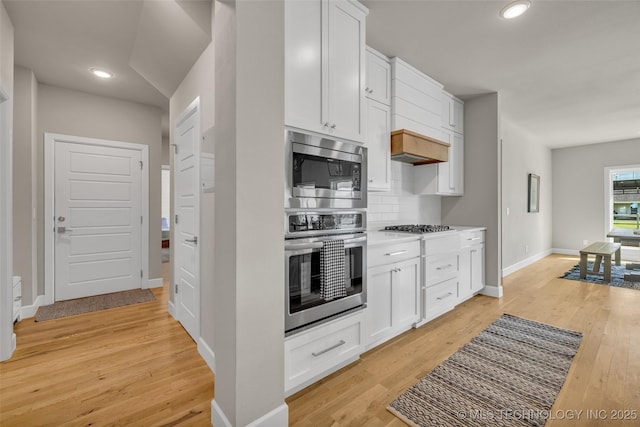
x=355 y=240
x=474 y=238
x=397 y=253
x=64 y=229
x=321 y=352
x=444 y=267
x=445 y=296
x=194 y=240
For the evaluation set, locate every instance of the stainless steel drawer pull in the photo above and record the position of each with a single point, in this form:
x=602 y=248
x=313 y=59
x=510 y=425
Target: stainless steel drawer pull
x=320 y=353
x=474 y=238
x=397 y=253
x=445 y=296
x=444 y=267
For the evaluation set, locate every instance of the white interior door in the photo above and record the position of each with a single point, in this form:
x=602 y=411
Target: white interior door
x=98 y=216
x=186 y=268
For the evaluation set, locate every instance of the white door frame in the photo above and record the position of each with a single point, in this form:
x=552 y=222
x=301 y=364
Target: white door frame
x=608 y=198
x=49 y=191
x=7 y=337
x=193 y=108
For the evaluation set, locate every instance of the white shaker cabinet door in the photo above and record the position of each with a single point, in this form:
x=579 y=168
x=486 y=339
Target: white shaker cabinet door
x=378 y=143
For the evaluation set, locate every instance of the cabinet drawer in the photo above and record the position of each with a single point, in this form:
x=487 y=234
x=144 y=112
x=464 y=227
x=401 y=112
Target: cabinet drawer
x=441 y=267
x=447 y=243
x=310 y=354
x=440 y=298
x=469 y=238
x=387 y=254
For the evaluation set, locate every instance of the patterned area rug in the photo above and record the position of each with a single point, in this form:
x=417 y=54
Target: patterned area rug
x=508 y=375
x=617 y=276
x=95 y=303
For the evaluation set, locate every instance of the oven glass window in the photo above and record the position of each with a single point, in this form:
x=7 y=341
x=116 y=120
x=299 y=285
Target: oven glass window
x=314 y=172
x=304 y=278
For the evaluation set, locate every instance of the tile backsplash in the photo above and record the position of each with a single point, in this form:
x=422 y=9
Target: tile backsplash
x=400 y=205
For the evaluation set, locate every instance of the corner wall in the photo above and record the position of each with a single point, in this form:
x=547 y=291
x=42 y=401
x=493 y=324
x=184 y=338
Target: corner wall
x=481 y=203
x=526 y=236
x=578 y=190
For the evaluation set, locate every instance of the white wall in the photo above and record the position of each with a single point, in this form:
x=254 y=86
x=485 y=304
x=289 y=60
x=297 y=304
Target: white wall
x=480 y=204
x=249 y=273
x=77 y=113
x=525 y=236
x=25 y=203
x=7 y=337
x=400 y=205
x=578 y=190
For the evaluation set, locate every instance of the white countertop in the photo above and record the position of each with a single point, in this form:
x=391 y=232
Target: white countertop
x=378 y=236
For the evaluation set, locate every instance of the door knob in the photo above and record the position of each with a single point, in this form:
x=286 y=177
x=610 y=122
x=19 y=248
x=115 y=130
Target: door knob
x=194 y=240
x=61 y=218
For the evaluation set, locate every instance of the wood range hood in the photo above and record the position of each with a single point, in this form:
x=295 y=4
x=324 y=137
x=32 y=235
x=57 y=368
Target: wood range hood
x=412 y=147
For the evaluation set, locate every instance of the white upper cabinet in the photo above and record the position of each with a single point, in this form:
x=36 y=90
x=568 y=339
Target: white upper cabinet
x=379 y=146
x=378 y=77
x=325 y=67
x=452 y=113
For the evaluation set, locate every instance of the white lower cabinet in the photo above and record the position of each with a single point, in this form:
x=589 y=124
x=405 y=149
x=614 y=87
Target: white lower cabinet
x=441 y=275
x=319 y=351
x=393 y=291
x=471 y=263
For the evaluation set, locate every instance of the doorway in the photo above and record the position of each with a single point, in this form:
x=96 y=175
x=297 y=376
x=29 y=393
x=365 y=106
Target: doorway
x=186 y=220
x=96 y=216
x=622 y=200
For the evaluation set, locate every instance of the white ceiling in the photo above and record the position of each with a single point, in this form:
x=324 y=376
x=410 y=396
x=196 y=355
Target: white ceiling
x=568 y=71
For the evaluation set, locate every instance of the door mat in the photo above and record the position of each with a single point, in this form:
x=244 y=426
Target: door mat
x=617 y=276
x=509 y=374
x=94 y=303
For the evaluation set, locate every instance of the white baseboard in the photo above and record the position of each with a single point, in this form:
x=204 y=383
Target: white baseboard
x=154 y=283
x=525 y=262
x=492 y=291
x=218 y=418
x=28 y=311
x=279 y=417
x=207 y=354
x=171 y=308
x=565 y=251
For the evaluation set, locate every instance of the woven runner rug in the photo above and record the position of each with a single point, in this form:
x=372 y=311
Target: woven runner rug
x=94 y=303
x=617 y=276
x=508 y=375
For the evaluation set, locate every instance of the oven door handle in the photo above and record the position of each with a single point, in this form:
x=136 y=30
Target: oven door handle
x=355 y=240
x=299 y=246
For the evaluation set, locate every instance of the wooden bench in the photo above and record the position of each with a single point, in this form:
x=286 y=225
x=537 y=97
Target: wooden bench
x=602 y=251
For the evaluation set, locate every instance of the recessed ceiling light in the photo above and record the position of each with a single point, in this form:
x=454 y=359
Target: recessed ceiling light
x=103 y=74
x=515 y=9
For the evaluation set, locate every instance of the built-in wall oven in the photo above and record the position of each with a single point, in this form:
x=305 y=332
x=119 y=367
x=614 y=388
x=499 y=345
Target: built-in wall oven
x=325 y=266
x=324 y=173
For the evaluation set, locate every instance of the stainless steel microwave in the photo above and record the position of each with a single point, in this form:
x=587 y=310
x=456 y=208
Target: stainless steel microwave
x=324 y=173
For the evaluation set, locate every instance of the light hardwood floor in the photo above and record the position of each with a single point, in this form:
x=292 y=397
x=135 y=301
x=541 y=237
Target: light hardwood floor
x=604 y=376
x=132 y=365
x=136 y=365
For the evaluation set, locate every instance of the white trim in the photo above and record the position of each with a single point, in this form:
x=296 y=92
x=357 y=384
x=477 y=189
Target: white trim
x=49 y=192
x=525 y=262
x=492 y=291
x=171 y=308
x=560 y=251
x=218 y=418
x=7 y=337
x=207 y=354
x=153 y=283
x=278 y=417
x=28 y=311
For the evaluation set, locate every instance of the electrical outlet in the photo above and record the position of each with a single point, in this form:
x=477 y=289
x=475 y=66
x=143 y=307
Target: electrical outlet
x=585 y=242
x=526 y=249
x=507 y=211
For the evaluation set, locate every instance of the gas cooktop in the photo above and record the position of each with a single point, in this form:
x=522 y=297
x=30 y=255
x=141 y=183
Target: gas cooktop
x=419 y=228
